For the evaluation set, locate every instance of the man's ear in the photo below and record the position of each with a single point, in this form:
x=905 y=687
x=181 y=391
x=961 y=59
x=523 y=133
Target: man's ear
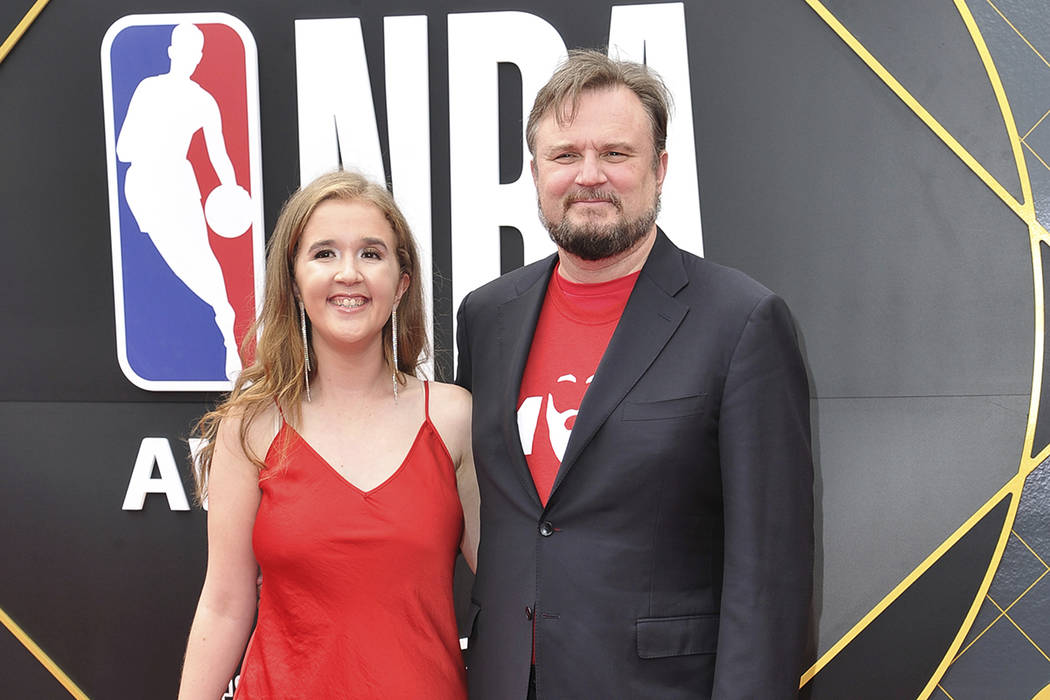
x=661 y=170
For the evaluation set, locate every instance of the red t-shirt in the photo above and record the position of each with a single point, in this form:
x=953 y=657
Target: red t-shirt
x=574 y=328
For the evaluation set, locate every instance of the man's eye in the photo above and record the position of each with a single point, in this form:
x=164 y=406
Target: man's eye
x=615 y=155
x=565 y=156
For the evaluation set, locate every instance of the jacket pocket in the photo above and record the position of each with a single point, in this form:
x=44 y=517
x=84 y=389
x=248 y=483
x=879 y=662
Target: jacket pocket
x=660 y=637
x=665 y=408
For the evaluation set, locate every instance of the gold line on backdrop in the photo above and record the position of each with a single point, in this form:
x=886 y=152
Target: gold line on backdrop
x=32 y=647
x=1023 y=38
x=1007 y=608
x=41 y=656
x=21 y=28
x=1025 y=210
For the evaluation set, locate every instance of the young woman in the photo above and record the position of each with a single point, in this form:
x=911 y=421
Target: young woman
x=333 y=469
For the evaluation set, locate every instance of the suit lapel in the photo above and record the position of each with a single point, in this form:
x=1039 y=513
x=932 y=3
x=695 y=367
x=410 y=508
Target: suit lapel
x=649 y=320
x=517 y=325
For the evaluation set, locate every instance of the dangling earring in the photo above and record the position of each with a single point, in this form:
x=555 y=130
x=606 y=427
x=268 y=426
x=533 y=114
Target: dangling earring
x=393 y=335
x=306 y=348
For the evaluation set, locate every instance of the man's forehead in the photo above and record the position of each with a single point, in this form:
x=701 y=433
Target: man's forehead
x=564 y=113
x=613 y=122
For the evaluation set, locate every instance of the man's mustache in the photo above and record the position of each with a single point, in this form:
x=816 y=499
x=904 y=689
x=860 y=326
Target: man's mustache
x=592 y=195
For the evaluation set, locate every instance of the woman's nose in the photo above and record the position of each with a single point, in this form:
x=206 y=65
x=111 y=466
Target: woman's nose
x=348 y=271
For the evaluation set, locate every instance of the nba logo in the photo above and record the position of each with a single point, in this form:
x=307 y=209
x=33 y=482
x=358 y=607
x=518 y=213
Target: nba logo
x=181 y=99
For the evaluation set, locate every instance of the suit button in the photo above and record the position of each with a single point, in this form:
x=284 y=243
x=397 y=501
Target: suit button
x=546 y=529
x=528 y=613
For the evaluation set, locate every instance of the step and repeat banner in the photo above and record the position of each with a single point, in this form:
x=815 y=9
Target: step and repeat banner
x=883 y=167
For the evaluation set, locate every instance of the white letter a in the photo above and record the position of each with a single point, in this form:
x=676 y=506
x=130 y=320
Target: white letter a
x=155 y=451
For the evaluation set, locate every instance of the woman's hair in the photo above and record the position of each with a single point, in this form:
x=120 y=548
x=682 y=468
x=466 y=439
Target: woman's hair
x=277 y=374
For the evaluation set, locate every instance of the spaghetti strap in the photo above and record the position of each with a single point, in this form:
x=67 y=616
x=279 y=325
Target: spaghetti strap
x=280 y=415
x=426 y=399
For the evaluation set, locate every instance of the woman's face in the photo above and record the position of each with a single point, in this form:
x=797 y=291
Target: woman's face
x=347 y=274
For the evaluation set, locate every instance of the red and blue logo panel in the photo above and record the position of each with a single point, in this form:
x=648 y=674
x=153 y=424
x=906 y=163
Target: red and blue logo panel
x=184 y=161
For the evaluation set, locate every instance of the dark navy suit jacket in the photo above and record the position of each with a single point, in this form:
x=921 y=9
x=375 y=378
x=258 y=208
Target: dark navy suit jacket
x=674 y=556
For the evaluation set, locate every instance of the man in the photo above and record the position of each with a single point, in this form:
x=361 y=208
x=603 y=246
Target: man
x=653 y=540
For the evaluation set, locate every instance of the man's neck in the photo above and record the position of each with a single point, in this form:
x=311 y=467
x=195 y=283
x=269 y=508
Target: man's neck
x=580 y=271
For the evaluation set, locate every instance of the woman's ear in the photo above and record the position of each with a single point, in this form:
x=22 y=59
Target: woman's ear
x=402 y=287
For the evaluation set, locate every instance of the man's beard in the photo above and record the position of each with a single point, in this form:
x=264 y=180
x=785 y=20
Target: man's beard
x=589 y=241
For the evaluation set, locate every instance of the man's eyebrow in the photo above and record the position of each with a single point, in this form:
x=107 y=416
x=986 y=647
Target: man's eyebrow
x=563 y=146
x=559 y=147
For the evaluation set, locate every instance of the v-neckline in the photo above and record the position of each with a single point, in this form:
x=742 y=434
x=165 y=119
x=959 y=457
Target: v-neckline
x=352 y=485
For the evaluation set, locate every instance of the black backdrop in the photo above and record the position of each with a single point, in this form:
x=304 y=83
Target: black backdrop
x=911 y=279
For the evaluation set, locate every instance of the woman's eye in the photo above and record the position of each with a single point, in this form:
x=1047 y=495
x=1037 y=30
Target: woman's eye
x=324 y=253
x=372 y=254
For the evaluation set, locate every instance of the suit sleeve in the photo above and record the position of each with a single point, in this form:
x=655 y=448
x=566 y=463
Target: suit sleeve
x=463 y=367
x=767 y=485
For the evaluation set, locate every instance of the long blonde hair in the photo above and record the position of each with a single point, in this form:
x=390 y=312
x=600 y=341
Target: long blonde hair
x=276 y=375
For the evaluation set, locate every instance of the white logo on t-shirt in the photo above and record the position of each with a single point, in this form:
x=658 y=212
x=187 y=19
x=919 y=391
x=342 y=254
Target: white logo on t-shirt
x=558 y=428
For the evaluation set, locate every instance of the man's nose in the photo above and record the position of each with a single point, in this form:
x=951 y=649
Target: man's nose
x=591 y=172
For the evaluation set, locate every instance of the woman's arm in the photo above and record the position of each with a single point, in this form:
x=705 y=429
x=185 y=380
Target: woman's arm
x=467 y=485
x=451 y=411
x=228 y=599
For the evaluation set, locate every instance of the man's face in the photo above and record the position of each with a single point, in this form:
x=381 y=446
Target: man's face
x=595 y=178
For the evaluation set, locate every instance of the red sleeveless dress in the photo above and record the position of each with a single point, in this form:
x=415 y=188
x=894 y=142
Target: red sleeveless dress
x=356 y=600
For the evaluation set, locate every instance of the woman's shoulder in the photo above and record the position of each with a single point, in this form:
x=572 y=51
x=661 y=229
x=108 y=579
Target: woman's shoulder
x=450 y=412
x=263 y=423
x=450 y=396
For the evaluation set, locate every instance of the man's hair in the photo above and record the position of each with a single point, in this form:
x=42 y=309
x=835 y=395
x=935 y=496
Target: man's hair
x=586 y=70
